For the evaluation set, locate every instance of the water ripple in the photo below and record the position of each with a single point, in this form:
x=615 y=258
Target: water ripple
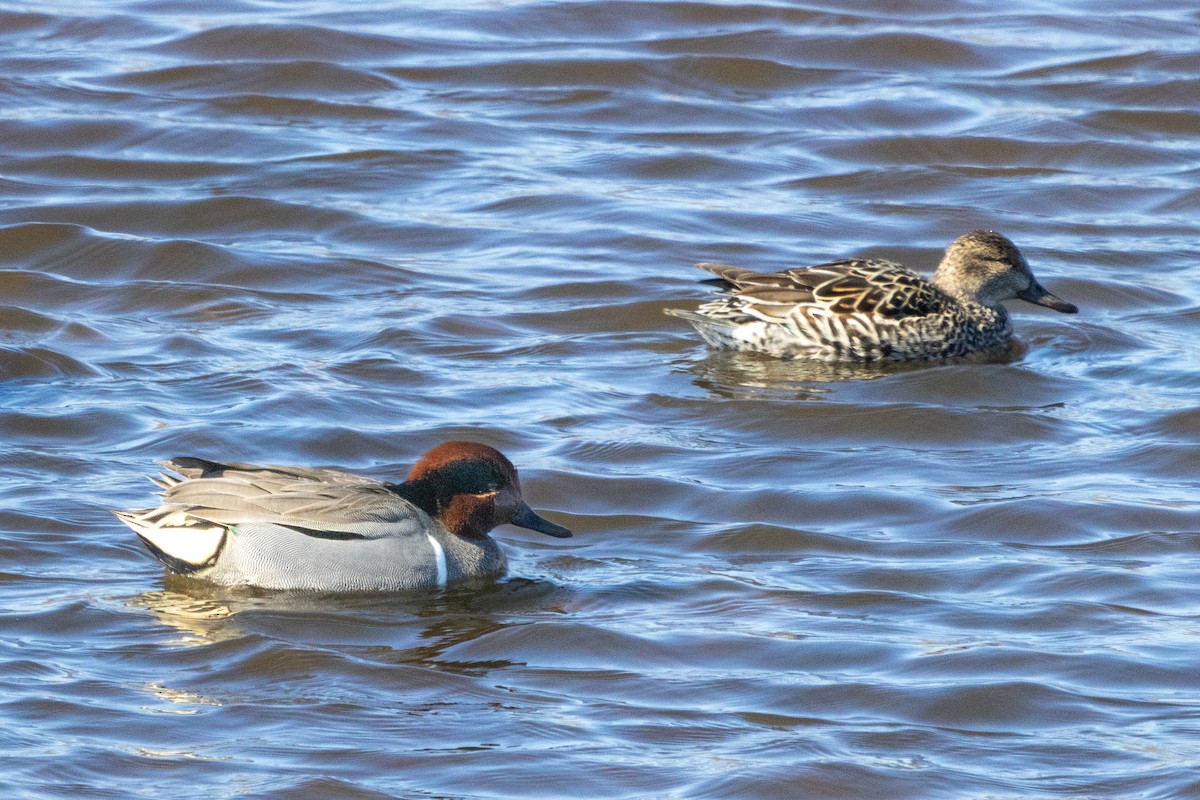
x=339 y=235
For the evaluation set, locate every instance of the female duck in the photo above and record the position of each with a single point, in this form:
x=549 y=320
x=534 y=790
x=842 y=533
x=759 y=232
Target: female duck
x=858 y=310
x=326 y=530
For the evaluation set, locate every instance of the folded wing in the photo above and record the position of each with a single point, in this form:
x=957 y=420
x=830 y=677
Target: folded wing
x=321 y=502
x=851 y=286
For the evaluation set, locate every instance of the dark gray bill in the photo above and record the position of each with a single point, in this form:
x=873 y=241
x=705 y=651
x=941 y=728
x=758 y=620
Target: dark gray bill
x=1040 y=297
x=525 y=518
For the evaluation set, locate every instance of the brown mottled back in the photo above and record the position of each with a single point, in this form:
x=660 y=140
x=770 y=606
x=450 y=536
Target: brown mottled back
x=849 y=286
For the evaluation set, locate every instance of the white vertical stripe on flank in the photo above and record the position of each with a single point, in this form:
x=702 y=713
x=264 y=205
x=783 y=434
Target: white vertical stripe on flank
x=440 y=555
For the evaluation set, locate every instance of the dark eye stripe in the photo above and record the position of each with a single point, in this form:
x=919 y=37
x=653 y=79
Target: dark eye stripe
x=476 y=476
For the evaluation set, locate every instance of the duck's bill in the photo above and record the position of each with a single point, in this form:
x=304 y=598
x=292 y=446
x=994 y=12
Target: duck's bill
x=526 y=518
x=1040 y=297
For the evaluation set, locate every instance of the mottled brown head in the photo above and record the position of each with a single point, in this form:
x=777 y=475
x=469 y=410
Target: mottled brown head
x=984 y=267
x=471 y=488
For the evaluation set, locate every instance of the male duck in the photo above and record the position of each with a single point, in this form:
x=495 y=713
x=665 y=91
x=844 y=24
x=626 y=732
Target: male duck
x=859 y=310
x=327 y=530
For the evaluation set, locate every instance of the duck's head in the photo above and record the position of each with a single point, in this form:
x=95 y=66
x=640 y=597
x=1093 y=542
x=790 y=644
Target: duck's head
x=472 y=488
x=985 y=267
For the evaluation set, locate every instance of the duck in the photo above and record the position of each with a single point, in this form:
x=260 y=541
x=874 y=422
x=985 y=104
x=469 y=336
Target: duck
x=325 y=530
x=868 y=310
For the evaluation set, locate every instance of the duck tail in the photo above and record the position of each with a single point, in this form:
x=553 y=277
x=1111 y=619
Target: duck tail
x=185 y=544
x=718 y=331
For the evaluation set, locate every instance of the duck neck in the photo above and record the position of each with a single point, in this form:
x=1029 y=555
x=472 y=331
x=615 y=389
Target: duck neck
x=949 y=282
x=990 y=320
x=421 y=493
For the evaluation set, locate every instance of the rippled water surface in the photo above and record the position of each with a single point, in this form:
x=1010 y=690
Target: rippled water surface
x=337 y=234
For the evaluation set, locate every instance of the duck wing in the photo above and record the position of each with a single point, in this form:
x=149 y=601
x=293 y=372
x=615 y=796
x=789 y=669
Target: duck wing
x=318 y=502
x=849 y=286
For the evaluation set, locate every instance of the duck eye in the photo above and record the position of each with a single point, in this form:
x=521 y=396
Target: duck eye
x=485 y=487
x=473 y=477
x=486 y=493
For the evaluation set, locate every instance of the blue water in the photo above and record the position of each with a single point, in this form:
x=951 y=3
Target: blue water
x=327 y=235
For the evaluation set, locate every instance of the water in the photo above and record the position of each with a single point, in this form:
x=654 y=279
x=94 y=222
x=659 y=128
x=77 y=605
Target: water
x=337 y=234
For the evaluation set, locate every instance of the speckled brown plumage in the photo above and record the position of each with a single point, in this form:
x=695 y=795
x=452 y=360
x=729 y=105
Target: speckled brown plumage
x=872 y=310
